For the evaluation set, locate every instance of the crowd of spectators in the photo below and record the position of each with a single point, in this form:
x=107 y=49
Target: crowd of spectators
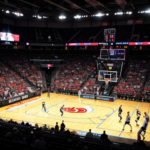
x=134 y=86
x=20 y=63
x=25 y=136
x=90 y=87
x=11 y=84
x=73 y=73
x=18 y=76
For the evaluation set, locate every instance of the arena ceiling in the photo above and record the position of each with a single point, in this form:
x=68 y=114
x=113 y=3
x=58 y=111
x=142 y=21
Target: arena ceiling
x=72 y=7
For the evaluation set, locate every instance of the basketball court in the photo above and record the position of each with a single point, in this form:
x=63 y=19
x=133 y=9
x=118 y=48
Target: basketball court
x=88 y=114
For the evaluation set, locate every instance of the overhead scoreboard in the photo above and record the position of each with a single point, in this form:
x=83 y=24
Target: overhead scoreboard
x=110 y=35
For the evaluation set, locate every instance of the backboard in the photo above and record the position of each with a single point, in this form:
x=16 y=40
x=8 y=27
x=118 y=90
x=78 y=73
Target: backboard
x=104 y=74
x=112 y=54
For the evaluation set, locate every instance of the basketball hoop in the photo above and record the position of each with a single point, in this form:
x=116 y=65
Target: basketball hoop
x=107 y=80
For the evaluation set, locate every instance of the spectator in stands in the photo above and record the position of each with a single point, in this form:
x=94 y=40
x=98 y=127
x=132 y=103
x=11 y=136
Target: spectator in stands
x=9 y=135
x=45 y=127
x=15 y=130
x=78 y=146
x=14 y=94
x=62 y=126
x=56 y=127
x=27 y=124
x=39 y=144
x=11 y=121
x=85 y=147
x=67 y=132
x=89 y=134
x=52 y=131
x=6 y=93
x=69 y=140
x=22 y=140
x=104 y=136
x=22 y=123
x=36 y=125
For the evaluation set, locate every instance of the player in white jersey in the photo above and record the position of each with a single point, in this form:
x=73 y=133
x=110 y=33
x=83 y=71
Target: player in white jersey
x=79 y=93
x=138 y=113
x=128 y=121
x=43 y=106
x=143 y=128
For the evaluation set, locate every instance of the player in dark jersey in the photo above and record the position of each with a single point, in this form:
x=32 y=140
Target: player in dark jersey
x=128 y=121
x=138 y=113
x=43 y=106
x=119 y=113
x=143 y=128
x=61 y=110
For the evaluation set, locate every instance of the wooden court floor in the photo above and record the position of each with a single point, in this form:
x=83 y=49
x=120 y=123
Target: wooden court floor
x=101 y=115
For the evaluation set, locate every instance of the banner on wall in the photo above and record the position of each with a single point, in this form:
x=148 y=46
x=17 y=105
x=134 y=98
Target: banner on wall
x=139 y=43
x=138 y=21
x=103 y=23
x=90 y=96
x=129 y=22
x=19 y=98
x=81 y=44
x=14 y=100
x=24 y=97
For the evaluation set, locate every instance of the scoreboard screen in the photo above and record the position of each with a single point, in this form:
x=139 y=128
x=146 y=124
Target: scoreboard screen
x=109 y=35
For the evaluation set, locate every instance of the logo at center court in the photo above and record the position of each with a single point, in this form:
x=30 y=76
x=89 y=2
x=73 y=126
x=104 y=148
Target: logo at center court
x=85 y=109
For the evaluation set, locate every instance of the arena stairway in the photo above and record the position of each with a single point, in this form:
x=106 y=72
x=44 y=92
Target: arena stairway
x=53 y=73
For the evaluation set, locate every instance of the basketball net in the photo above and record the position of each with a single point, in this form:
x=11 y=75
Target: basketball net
x=107 y=80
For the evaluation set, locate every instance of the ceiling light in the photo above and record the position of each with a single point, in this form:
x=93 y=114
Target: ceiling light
x=44 y=17
x=119 y=13
x=147 y=11
x=39 y=17
x=17 y=14
x=99 y=15
x=62 y=17
x=7 y=11
x=129 y=12
x=77 y=17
